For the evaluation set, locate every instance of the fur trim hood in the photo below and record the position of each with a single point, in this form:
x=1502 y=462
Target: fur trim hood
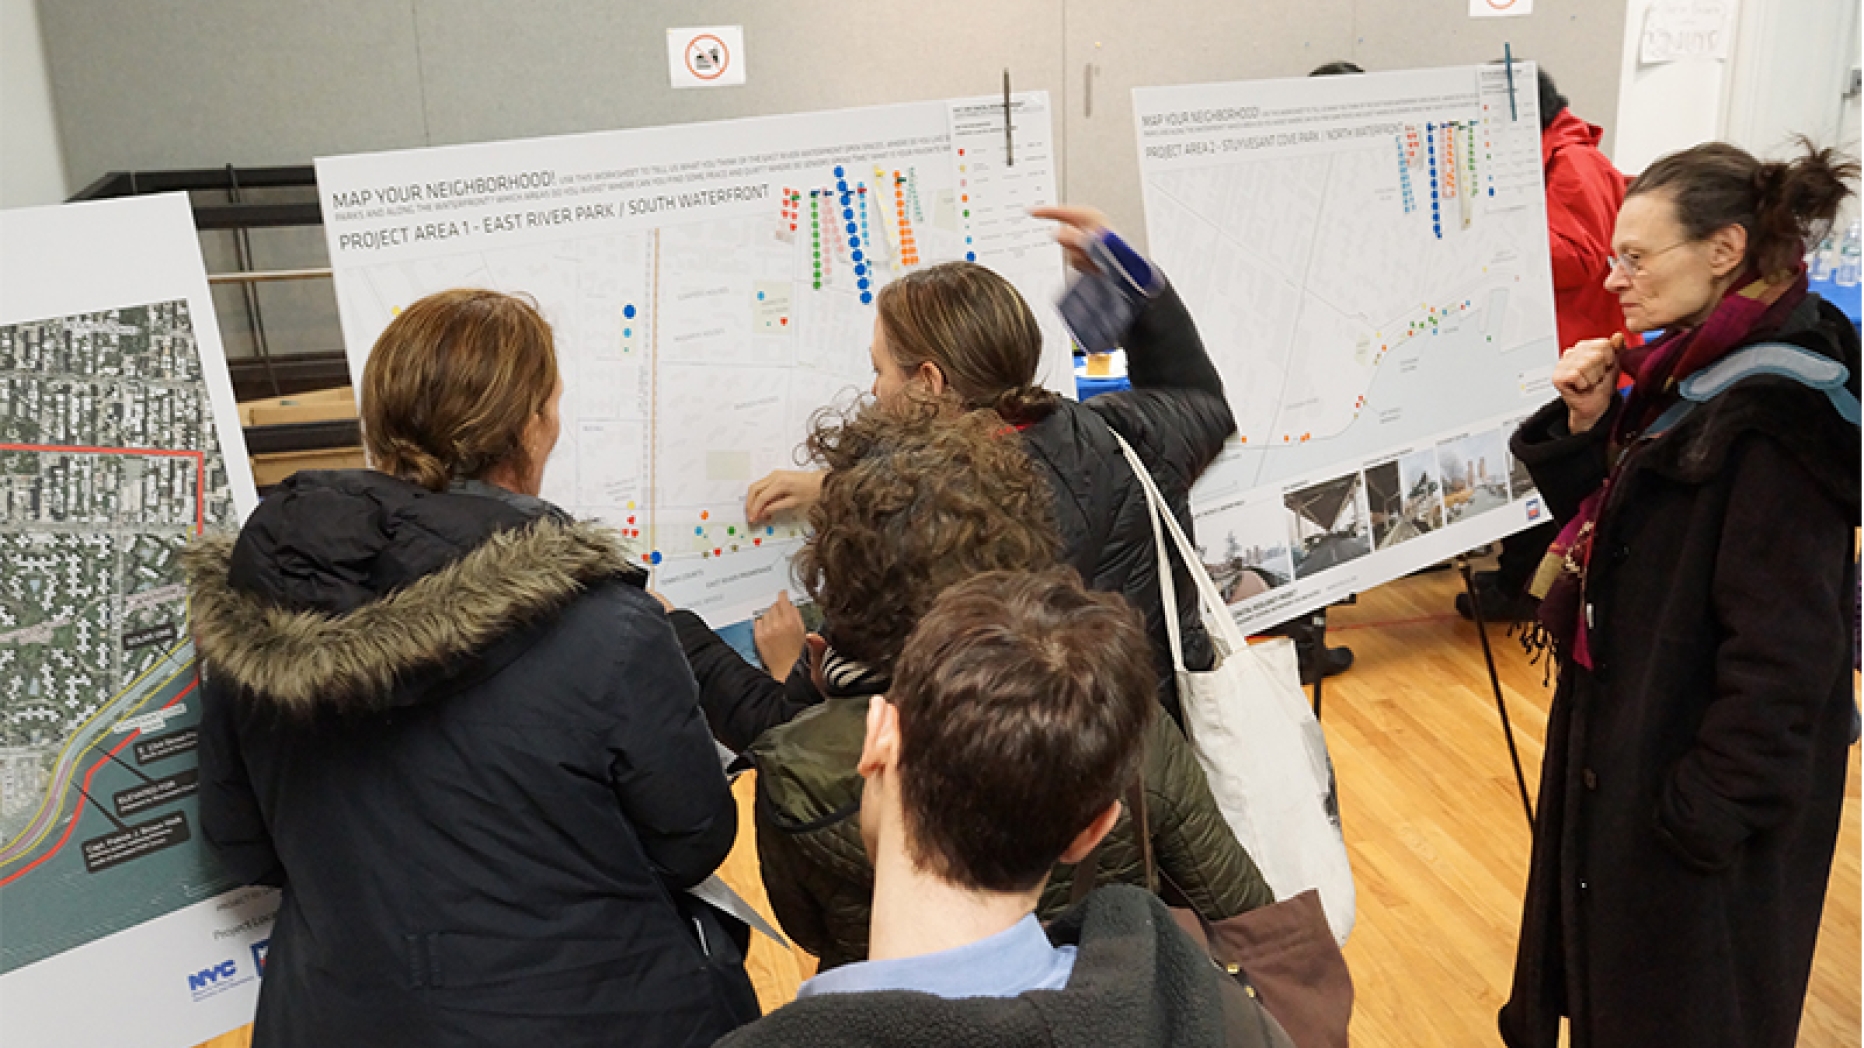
x=302 y=657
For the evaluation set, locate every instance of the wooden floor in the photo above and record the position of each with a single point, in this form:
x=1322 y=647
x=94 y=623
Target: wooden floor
x=1434 y=825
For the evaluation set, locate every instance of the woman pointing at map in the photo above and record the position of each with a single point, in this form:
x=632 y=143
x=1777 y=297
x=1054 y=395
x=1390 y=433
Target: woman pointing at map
x=962 y=329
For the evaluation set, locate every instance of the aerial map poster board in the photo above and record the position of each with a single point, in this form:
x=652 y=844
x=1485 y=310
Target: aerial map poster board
x=1366 y=257
x=120 y=440
x=710 y=285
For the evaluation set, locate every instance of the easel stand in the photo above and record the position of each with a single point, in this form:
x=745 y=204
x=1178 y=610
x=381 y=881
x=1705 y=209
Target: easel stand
x=1495 y=683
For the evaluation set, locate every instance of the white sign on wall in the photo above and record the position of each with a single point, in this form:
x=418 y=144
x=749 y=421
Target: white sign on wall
x=1679 y=29
x=1500 y=8
x=711 y=56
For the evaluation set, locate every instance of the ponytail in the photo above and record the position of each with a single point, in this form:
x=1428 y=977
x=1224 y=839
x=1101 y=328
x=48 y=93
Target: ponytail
x=1781 y=203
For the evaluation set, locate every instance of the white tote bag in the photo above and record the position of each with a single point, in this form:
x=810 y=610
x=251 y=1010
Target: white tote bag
x=1255 y=735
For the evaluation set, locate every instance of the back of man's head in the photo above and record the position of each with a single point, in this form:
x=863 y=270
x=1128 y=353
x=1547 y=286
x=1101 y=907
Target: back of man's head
x=1023 y=702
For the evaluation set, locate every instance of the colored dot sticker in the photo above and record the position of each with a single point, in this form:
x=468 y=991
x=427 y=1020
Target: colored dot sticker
x=655 y=556
x=839 y=172
x=699 y=531
x=970 y=256
x=848 y=213
x=860 y=269
x=705 y=514
x=770 y=531
x=627 y=332
x=760 y=296
x=628 y=311
x=861 y=283
x=867 y=298
x=731 y=531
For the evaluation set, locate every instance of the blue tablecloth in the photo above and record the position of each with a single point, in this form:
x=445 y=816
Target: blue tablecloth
x=1845 y=298
x=1086 y=388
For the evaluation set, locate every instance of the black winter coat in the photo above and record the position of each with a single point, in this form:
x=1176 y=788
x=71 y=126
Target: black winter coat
x=460 y=736
x=1138 y=982
x=1175 y=417
x=1690 y=796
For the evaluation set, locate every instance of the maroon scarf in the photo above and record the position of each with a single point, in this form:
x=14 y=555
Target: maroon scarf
x=1748 y=311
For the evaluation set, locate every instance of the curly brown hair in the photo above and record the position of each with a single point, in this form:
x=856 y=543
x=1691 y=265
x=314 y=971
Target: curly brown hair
x=919 y=495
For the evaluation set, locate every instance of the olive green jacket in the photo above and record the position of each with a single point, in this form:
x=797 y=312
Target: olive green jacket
x=820 y=881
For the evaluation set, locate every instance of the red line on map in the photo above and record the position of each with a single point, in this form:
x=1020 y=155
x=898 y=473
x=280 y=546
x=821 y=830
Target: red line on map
x=78 y=813
x=200 y=469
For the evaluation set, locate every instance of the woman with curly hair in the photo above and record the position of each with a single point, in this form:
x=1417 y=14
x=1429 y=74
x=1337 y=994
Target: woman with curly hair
x=918 y=496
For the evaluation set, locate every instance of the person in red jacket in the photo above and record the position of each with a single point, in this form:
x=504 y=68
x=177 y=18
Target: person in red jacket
x=1584 y=191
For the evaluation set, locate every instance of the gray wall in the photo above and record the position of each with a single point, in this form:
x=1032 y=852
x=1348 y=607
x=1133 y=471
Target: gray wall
x=171 y=83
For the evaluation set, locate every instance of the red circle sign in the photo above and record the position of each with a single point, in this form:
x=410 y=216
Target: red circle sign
x=707 y=62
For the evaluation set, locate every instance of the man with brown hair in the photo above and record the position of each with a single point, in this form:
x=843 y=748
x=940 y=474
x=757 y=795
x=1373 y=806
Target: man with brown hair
x=1017 y=715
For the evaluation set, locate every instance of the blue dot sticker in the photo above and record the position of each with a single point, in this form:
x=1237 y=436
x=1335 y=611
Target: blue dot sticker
x=839 y=172
x=760 y=296
x=970 y=256
x=853 y=229
x=861 y=283
x=699 y=531
x=860 y=268
x=770 y=530
x=857 y=254
x=628 y=311
x=854 y=241
x=848 y=213
x=627 y=332
x=655 y=557
x=867 y=297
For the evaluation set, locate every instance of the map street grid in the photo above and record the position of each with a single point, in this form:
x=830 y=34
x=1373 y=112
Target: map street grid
x=1366 y=257
x=116 y=413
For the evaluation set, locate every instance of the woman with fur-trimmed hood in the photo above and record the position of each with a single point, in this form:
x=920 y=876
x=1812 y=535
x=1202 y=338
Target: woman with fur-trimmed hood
x=451 y=725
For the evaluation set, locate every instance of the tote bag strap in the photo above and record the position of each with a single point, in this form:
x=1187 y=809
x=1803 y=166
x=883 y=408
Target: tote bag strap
x=1215 y=610
x=1168 y=586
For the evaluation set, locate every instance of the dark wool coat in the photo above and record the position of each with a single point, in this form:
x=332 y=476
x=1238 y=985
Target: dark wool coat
x=1138 y=982
x=466 y=746
x=821 y=883
x=1693 y=780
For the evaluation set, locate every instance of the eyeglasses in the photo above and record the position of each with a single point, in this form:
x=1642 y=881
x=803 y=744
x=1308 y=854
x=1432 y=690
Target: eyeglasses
x=1632 y=266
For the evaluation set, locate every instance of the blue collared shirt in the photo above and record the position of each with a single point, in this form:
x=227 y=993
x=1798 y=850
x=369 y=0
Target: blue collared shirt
x=1011 y=962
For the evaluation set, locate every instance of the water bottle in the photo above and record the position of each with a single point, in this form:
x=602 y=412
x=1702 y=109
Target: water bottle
x=1848 y=258
x=1819 y=260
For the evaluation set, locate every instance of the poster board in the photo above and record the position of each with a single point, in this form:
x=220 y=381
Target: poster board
x=120 y=439
x=1366 y=257
x=711 y=286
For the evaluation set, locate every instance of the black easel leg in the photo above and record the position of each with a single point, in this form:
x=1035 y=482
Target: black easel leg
x=1495 y=683
x=1320 y=656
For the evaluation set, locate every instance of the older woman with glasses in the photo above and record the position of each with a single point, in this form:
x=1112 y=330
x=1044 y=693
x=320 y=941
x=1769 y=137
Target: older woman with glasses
x=1699 y=603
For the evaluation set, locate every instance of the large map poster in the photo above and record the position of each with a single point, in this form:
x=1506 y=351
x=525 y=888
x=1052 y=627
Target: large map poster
x=711 y=286
x=118 y=442
x=1367 y=259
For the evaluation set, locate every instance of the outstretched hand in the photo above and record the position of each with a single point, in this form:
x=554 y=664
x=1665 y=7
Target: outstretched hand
x=1079 y=225
x=778 y=634
x=782 y=491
